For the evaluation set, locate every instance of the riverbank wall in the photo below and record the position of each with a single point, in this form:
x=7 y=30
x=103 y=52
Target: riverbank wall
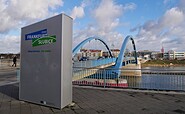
x=162 y=65
x=131 y=70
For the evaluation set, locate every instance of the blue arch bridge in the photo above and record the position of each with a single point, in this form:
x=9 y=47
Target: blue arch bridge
x=107 y=69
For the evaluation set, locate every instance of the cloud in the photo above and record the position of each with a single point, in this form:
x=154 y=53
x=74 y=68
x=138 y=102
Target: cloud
x=107 y=15
x=9 y=44
x=172 y=17
x=107 y=18
x=90 y=31
x=18 y=13
x=166 y=1
x=168 y=29
x=15 y=13
x=181 y=5
x=78 y=11
x=130 y=6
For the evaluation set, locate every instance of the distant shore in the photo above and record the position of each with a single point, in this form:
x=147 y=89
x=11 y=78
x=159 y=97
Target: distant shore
x=164 y=63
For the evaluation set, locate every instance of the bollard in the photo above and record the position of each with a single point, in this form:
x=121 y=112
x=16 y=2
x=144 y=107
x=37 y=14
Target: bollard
x=104 y=78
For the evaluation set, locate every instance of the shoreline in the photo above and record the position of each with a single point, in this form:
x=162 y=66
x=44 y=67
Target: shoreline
x=162 y=65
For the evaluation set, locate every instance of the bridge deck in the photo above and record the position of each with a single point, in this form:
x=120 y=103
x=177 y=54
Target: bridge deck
x=80 y=68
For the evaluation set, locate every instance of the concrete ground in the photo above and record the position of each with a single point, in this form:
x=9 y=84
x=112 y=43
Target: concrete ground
x=91 y=100
x=96 y=101
x=8 y=74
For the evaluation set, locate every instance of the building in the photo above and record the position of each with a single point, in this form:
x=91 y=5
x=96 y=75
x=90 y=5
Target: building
x=115 y=52
x=142 y=54
x=171 y=55
x=90 y=53
x=156 y=55
x=106 y=54
x=150 y=55
x=9 y=56
x=147 y=57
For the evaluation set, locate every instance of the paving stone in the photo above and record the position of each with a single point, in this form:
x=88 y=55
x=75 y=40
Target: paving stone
x=4 y=111
x=70 y=112
x=15 y=110
x=5 y=106
x=60 y=112
x=66 y=108
x=80 y=111
x=56 y=110
x=25 y=109
x=91 y=111
x=36 y=109
x=95 y=101
x=46 y=110
x=75 y=107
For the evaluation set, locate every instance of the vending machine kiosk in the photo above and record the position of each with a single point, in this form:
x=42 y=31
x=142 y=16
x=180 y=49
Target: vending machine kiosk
x=46 y=62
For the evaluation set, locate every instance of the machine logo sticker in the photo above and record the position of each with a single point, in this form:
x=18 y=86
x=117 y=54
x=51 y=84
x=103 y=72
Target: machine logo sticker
x=40 y=38
x=43 y=41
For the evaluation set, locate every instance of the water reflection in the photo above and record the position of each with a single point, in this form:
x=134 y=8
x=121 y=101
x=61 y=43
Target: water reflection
x=156 y=81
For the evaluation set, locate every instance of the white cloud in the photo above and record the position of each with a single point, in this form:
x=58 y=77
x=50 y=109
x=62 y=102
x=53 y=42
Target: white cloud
x=9 y=44
x=130 y=6
x=168 y=29
x=77 y=12
x=110 y=38
x=17 y=13
x=107 y=17
x=6 y=22
x=172 y=17
x=14 y=13
x=181 y=5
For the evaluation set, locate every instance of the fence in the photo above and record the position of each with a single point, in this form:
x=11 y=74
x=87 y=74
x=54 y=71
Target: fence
x=106 y=77
x=149 y=79
x=94 y=63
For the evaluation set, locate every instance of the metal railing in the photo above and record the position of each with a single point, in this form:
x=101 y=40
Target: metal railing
x=94 y=63
x=157 y=79
x=149 y=78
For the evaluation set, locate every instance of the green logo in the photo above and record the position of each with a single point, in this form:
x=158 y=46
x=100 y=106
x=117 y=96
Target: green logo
x=43 y=40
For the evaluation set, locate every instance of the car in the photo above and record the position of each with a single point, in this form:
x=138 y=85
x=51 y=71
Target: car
x=84 y=59
x=100 y=58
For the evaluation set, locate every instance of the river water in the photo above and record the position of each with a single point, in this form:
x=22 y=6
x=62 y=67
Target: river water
x=159 y=81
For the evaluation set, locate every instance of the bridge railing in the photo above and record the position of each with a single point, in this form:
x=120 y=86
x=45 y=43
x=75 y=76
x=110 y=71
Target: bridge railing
x=93 y=63
x=150 y=79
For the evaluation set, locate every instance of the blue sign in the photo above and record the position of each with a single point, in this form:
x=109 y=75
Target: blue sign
x=37 y=34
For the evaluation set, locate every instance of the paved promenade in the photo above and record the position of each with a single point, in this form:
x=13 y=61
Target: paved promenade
x=7 y=74
x=94 y=101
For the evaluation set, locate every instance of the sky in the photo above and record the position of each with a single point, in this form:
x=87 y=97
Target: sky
x=152 y=23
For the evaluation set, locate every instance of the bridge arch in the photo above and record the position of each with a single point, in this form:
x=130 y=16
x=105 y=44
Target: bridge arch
x=118 y=63
x=78 y=47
